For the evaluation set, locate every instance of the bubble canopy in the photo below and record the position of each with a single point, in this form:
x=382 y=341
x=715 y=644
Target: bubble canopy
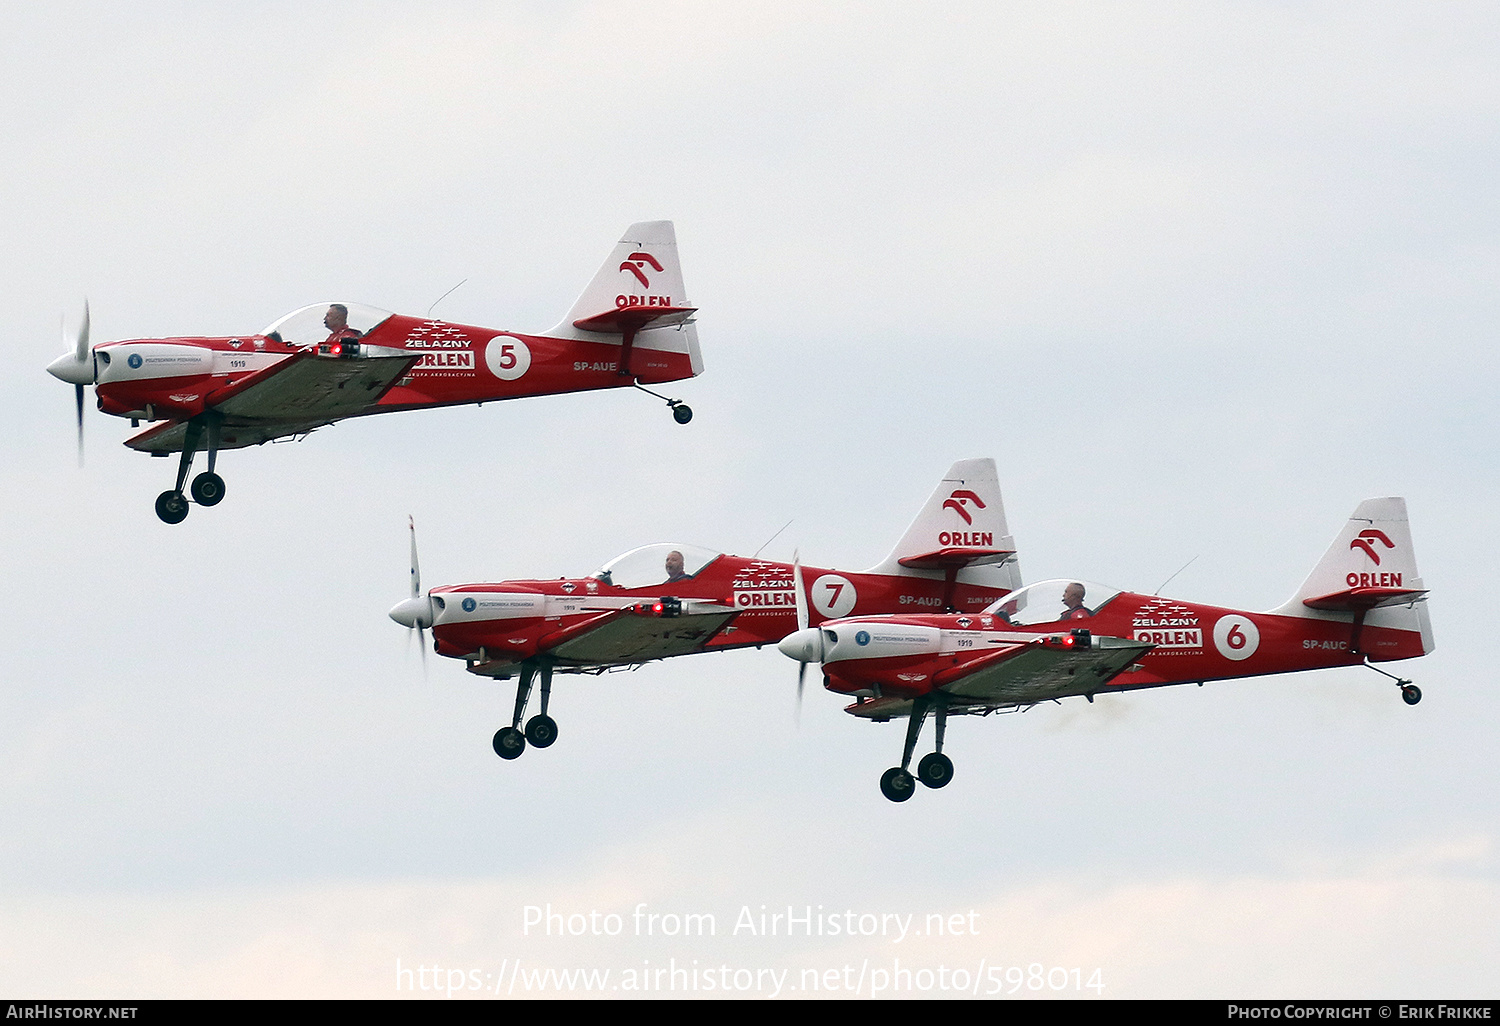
x=1050 y=602
x=647 y=565
x=305 y=327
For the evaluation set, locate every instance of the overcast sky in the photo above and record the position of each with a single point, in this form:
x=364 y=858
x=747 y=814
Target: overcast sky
x=1199 y=276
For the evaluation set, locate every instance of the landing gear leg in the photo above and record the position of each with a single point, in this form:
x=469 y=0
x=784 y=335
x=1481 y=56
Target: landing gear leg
x=208 y=487
x=509 y=742
x=172 y=506
x=936 y=769
x=541 y=730
x=897 y=783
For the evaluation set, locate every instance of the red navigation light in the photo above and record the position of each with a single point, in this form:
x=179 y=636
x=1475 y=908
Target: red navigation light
x=337 y=349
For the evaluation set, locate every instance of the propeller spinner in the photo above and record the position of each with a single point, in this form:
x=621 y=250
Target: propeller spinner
x=415 y=612
x=76 y=366
x=805 y=644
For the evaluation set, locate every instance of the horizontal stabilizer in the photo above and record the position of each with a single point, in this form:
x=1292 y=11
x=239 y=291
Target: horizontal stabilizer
x=1355 y=599
x=941 y=559
x=634 y=318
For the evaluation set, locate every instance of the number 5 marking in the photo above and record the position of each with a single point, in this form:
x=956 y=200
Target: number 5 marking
x=507 y=357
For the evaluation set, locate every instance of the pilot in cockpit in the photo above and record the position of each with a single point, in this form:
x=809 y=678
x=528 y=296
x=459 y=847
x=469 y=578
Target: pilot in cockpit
x=336 y=320
x=674 y=567
x=1073 y=603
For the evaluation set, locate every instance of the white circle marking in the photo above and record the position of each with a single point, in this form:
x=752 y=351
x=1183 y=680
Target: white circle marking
x=1236 y=637
x=507 y=357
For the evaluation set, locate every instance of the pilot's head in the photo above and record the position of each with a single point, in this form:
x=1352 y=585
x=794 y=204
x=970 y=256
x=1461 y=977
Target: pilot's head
x=674 y=564
x=1073 y=595
x=337 y=317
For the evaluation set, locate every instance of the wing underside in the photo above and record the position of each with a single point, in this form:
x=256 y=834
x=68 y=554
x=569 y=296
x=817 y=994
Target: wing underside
x=1024 y=676
x=640 y=639
x=293 y=397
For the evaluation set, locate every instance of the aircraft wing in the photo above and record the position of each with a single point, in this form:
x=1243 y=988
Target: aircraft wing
x=627 y=640
x=292 y=397
x=1022 y=675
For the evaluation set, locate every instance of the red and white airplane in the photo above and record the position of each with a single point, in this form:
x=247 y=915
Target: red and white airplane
x=669 y=600
x=1364 y=603
x=329 y=361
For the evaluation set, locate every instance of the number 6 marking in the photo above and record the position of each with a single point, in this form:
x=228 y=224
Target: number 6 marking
x=1236 y=637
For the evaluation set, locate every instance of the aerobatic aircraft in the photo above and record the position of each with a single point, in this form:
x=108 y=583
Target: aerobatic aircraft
x=670 y=599
x=632 y=326
x=1363 y=603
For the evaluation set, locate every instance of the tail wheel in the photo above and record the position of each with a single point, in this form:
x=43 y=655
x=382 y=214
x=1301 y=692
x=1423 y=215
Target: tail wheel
x=1411 y=694
x=897 y=784
x=682 y=413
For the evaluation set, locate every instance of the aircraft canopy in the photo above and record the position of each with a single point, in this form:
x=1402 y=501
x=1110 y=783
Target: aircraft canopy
x=647 y=565
x=1043 y=602
x=304 y=327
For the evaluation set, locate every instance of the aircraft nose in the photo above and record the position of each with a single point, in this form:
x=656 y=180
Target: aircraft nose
x=413 y=612
x=74 y=371
x=805 y=646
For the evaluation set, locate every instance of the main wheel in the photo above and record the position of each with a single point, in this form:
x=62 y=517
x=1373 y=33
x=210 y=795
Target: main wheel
x=541 y=731
x=172 y=507
x=897 y=784
x=1411 y=694
x=682 y=413
x=935 y=770
x=509 y=743
x=208 y=489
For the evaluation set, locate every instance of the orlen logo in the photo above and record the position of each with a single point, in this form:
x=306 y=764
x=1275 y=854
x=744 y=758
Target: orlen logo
x=635 y=262
x=956 y=502
x=1367 y=536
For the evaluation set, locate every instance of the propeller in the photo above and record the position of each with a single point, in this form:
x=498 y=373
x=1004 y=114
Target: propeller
x=76 y=366
x=416 y=611
x=805 y=644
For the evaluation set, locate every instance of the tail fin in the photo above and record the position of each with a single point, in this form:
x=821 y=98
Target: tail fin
x=638 y=296
x=1370 y=567
x=963 y=525
x=641 y=275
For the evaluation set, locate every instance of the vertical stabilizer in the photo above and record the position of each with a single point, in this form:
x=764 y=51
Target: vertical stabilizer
x=641 y=274
x=962 y=526
x=1369 y=574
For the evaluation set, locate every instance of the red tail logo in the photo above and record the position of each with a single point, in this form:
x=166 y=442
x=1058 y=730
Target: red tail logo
x=634 y=264
x=1367 y=536
x=956 y=501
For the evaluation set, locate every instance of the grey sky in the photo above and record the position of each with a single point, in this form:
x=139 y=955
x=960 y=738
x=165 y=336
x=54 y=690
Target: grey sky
x=1200 y=277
